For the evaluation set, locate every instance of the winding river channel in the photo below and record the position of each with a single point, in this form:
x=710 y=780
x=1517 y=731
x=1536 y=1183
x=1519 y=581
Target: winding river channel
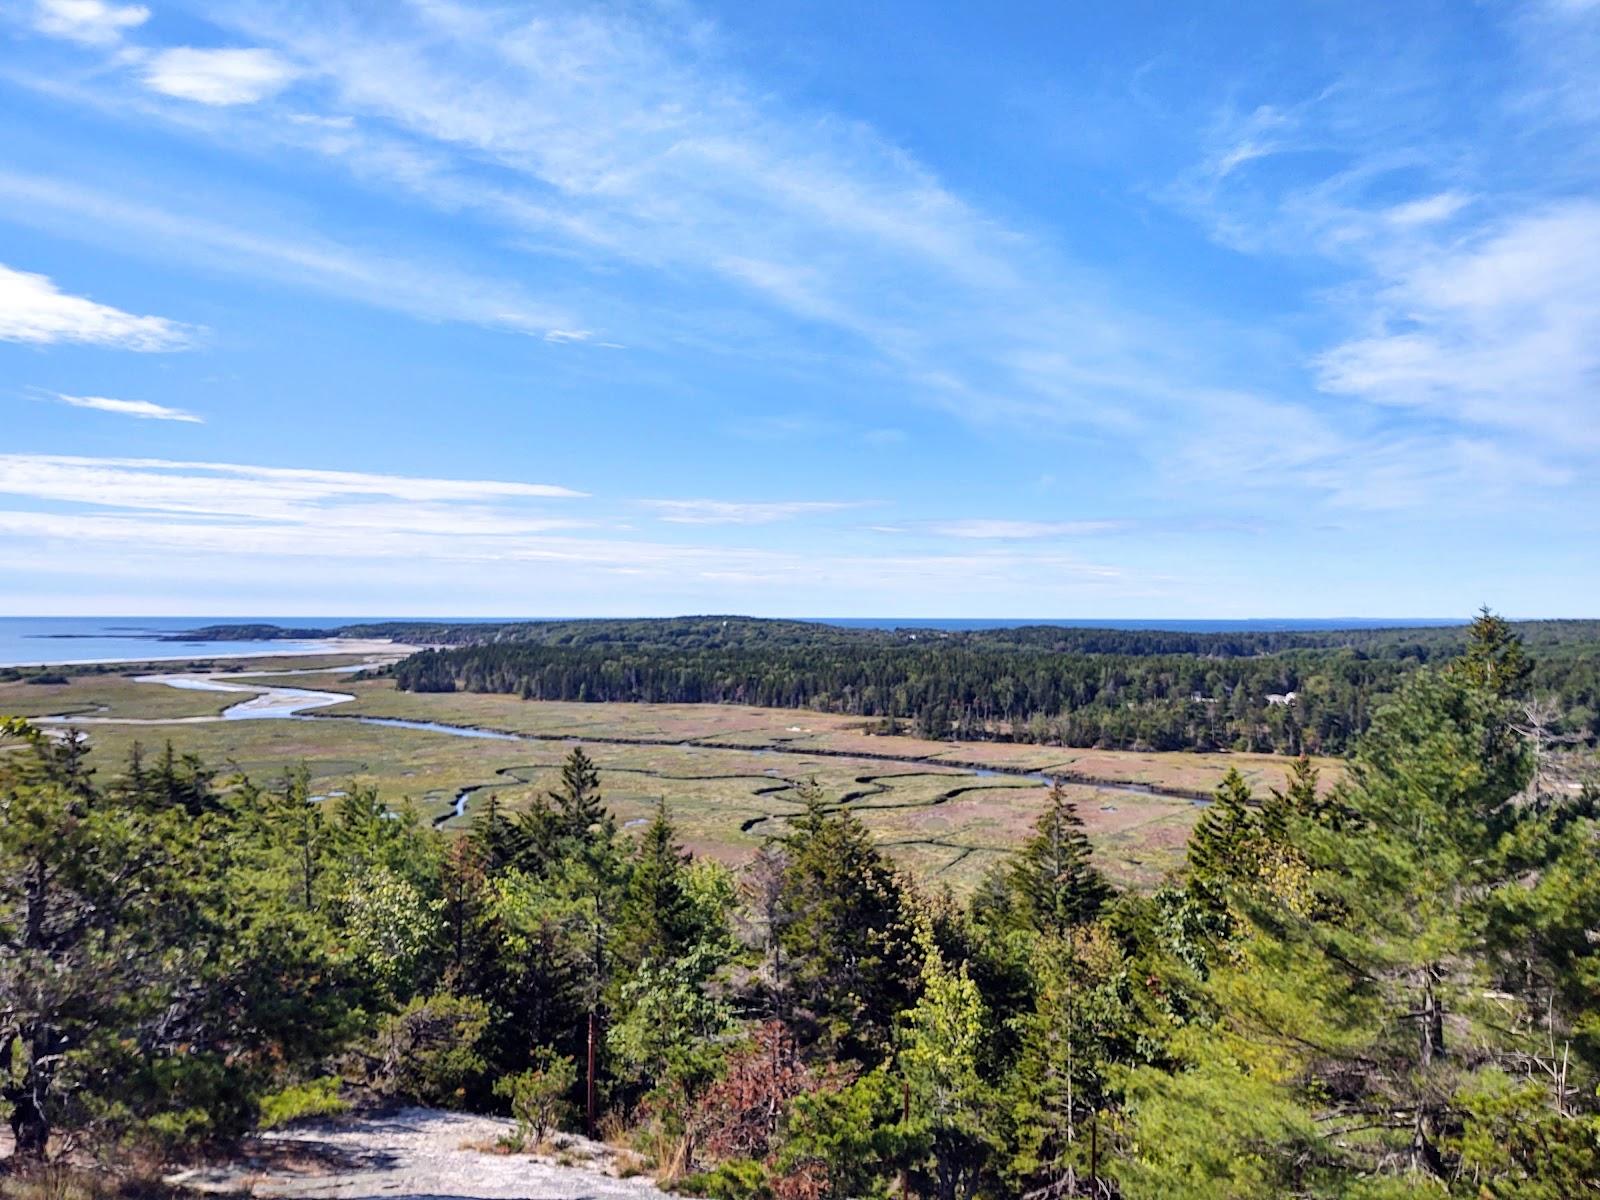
x=274 y=702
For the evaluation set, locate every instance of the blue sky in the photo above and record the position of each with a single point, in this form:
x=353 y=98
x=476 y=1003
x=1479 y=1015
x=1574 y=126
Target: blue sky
x=1050 y=310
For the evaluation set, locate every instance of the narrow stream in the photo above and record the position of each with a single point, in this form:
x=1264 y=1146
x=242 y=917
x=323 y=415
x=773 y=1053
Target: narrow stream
x=270 y=702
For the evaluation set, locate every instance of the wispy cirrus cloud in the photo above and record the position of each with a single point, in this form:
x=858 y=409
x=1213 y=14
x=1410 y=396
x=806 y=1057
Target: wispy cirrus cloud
x=143 y=409
x=546 y=573
x=1462 y=334
x=433 y=291
x=1499 y=329
x=625 y=140
x=1242 y=138
x=629 y=141
x=728 y=512
x=1358 y=463
x=33 y=309
x=627 y=145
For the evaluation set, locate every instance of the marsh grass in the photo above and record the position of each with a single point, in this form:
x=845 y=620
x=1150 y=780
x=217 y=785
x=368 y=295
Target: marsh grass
x=729 y=772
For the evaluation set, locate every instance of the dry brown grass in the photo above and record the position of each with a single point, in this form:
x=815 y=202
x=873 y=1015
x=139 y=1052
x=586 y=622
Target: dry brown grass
x=59 y=1181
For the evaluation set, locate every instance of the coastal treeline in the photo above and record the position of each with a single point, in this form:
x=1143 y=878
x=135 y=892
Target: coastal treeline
x=1287 y=692
x=730 y=631
x=1386 y=989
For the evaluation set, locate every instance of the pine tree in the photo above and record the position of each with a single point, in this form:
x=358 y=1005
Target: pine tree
x=156 y=969
x=1410 y=1023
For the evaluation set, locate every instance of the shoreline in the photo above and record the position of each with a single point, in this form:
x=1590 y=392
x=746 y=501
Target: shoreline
x=326 y=646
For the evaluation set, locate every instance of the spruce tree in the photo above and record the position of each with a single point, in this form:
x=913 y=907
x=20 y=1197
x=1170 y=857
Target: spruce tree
x=1302 y=798
x=1224 y=848
x=494 y=837
x=1052 y=884
x=577 y=797
x=1495 y=661
x=1082 y=1023
x=851 y=965
x=939 y=1056
x=657 y=922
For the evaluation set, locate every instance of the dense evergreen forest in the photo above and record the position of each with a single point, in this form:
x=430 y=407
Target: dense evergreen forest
x=1390 y=989
x=1290 y=692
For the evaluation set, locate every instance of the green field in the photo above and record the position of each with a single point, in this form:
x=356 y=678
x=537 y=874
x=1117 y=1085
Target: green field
x=945 y=810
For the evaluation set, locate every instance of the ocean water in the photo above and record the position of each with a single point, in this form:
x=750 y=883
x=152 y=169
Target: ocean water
x=35 y=640
x=26 y=641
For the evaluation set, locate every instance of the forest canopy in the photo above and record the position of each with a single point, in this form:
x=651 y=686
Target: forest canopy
x=1383 y=989
x=1292 y=692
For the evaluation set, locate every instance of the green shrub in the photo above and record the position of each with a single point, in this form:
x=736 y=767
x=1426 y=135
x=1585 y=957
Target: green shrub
x=538 y=1095
x=429 y=1051
x=314 y=1098
x=736 y=1179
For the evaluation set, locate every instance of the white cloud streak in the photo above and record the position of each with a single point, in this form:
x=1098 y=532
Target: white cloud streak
x=981 y=529
x=89 y=22
x=143 y=409
x=33 y=309
x=1428 y=210
x=533 y=564
x=217 y=77
x=232 y=489
x=171 y=522
x=728 y=512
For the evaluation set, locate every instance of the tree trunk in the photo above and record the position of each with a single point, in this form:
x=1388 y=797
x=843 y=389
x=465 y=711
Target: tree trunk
x=1431 y=1020
x=30 y=1127
x=1424 y=1154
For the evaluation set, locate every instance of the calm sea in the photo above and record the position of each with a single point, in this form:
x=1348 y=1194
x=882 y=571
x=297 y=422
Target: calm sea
x=32 y=640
